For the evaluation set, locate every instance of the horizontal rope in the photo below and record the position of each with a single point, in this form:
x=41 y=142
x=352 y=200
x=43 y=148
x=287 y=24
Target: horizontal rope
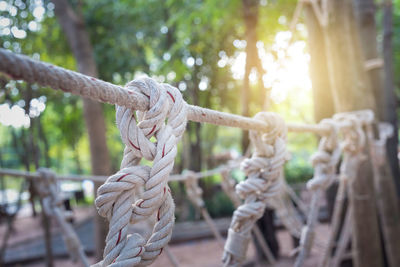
x=102 y=179
x=21 y=67
x=67 y=177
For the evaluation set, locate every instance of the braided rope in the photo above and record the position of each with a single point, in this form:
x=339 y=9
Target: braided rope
x=324 y=162
x=48 y=190
x=263 y=184
x=228 y=186
x=20 y=67
x=139 y=192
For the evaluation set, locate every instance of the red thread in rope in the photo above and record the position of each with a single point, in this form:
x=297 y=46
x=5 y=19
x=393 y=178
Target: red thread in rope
x=141 y=202
x=163 y=151
x=140 y=251
x=123 y=176
x=158 y=215
x=119 y=237
x=152 y=130
x=173 y=99
x=130 y=142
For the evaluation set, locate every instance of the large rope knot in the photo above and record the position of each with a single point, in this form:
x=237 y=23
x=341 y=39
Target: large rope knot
x=139 y=192
x=263 y=183
x=326 y=158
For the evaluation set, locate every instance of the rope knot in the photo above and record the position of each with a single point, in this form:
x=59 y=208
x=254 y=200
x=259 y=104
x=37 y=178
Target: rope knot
x=138 y=192
x=46 y=183
x=326 y=158
x=193 y=190
x=137 y=128
x=262 y=185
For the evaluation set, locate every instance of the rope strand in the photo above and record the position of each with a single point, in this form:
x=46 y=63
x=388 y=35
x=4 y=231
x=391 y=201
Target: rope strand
x=20 y=67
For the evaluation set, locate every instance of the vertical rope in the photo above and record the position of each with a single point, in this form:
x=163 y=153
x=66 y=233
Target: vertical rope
x=263 y=184
x=138 y=192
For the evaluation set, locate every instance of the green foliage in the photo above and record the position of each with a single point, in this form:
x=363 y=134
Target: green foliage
x=176 y=41
x=219 y=205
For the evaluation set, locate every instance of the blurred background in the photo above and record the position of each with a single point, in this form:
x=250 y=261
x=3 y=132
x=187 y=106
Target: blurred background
x=236 y=56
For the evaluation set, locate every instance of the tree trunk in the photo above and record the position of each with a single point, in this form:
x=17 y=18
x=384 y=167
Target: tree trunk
x=390 y=105
x=384 y=182
x=194 y=129
x=322 y=95
x=250 y=15
x=73 y=26
x=46 y=147
x=351 y=90
x=365 y=15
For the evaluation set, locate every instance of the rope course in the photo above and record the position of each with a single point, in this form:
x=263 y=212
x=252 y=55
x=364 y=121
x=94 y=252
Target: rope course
x=151 y=118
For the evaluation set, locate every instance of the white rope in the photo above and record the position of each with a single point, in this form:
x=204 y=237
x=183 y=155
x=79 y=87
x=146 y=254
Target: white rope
x=67 y=177
x=48 y=191
x=117 y=201
x=21 y=67
x=263 y=184
x=228 y=186
x=324 y=162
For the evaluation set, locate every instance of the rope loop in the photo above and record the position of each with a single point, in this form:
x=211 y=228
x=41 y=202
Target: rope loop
x=326 y=158
x=354 y=140
x=263 y=184
x=139 y=192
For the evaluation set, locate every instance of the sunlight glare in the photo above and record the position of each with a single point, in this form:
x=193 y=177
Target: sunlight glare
x=286 y=73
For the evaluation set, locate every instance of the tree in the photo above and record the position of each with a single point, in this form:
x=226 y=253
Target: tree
x=385 y=182
x=322 y=95
x=352 y=90
x=73 y=25
x=390 y=102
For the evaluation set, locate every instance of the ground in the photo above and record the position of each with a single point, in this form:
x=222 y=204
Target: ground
x=203 y=252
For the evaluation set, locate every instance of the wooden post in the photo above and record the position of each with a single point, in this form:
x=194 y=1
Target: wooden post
x=351 y=90
x=387 y=200
x=322 y=95
x=390 y=104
